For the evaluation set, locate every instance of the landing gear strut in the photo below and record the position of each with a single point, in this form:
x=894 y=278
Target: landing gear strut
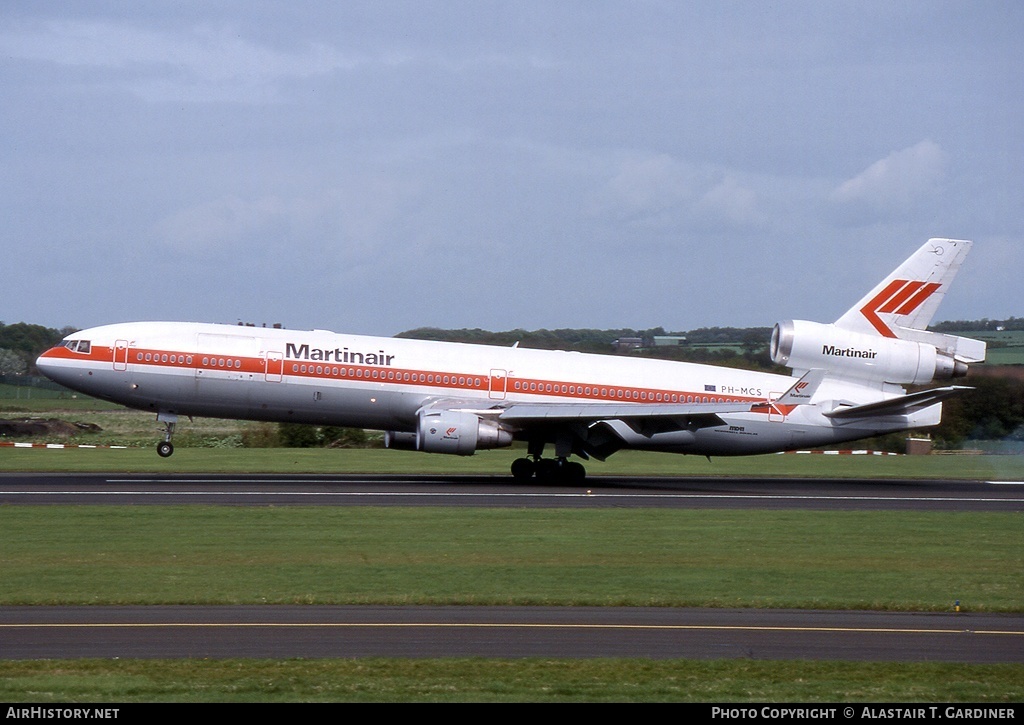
x=165 y=448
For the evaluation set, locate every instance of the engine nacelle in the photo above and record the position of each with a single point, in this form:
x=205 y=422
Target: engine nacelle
x=450 y=431
x=805 y=345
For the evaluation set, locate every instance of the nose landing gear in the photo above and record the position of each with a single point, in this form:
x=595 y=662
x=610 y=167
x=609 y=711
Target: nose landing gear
x=165 y=448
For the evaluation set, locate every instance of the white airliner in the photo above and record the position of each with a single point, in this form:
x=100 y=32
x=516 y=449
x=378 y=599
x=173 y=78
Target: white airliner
x=442 y=397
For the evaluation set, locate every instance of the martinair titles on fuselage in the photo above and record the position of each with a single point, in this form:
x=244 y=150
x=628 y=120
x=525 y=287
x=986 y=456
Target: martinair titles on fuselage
x=338 y=355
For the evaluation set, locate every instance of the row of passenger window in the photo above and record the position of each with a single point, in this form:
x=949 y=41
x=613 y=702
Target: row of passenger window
x=459 y=380
x=208 y=362
x=158 y=357
x=523 y=386
x=375 y=374
x=609 y=392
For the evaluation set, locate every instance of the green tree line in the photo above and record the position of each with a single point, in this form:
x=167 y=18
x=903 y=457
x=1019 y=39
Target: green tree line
x=21 y=343
x=1010 y=323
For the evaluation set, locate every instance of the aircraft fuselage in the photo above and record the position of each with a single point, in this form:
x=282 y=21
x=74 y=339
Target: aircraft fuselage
x=319 y=377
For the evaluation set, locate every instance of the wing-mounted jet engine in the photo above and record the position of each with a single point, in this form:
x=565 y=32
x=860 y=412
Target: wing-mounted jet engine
x=457 y=432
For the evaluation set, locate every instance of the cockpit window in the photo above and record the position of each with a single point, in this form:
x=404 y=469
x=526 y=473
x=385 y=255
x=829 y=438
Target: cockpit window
x=82 y=346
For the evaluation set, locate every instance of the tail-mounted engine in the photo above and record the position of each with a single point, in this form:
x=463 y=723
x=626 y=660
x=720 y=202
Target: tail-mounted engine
x=805 y=345
x=450 y=431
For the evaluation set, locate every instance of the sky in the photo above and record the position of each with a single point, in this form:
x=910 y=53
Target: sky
x=373 y=167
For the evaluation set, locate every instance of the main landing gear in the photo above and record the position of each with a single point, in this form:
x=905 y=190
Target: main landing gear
x=548 y=470
x=165 y=448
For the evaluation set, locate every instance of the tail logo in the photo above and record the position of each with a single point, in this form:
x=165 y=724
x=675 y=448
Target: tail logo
x=899 y=297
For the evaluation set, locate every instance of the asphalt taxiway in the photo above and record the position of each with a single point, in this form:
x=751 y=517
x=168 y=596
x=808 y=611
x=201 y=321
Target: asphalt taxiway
x=505 y=632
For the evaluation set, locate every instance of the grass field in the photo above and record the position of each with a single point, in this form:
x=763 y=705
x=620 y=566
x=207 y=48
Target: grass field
x=1005 y=347
x=905 y=561
x=912 y=561
x=507 y=681
x=496 y=463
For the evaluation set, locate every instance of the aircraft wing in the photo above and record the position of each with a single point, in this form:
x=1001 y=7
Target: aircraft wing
x=519 y=413
x=701 y=414
x=596 y=429
x=902 y=405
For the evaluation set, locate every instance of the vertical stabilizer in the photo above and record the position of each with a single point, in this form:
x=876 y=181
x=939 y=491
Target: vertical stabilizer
x=908 y=298
x=904 y=303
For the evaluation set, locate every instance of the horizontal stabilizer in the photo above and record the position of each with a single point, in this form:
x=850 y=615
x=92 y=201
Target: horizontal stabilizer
x=903 y=405
x=964 y=349
x=804 y=389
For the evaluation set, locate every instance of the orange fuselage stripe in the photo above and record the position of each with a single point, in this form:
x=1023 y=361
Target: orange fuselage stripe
x=170 y=359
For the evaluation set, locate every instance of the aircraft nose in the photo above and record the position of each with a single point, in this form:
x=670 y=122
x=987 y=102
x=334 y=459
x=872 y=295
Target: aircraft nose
x=47 y=365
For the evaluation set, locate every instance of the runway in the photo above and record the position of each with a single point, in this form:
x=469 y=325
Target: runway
x=570 y=632
x=500 y=491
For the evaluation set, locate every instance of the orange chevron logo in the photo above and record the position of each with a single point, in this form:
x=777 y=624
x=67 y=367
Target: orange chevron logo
x=900 y=297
